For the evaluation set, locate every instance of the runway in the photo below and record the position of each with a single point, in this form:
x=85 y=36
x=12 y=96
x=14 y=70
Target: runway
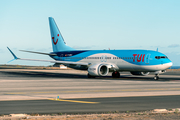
x=120 y=104
x=34 y=91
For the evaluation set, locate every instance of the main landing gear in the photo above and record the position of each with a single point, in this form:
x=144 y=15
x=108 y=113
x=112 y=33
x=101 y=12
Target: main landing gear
x=90 y=76
x=115 y=74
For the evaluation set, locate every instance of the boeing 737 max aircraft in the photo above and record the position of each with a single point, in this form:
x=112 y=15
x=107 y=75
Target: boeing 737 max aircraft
x=101 y=62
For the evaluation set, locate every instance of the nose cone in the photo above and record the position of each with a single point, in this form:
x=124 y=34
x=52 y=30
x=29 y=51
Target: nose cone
x=168 y=65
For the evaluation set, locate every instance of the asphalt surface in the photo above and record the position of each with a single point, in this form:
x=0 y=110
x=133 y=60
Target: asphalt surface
x=120 y=104
x=35 y=91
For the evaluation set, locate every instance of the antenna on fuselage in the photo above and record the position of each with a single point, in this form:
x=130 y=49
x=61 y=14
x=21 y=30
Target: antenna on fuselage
x=157 y=49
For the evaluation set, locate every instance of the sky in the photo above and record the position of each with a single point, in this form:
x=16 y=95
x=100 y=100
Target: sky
x=89 y=24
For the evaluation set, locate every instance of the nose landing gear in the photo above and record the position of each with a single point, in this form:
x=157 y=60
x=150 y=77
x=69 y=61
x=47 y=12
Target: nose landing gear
x=156 y=77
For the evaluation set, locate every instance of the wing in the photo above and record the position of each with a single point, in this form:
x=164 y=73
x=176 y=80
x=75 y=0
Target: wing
x=39 y=52
x=56 y=61
x=52 y=61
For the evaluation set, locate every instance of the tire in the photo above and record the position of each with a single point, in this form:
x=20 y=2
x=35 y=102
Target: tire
x=115 y=74
x=156 y=77
x=90 y=76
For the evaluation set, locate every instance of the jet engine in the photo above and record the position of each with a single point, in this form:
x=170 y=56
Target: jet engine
x=98 y=70
x=140 y=73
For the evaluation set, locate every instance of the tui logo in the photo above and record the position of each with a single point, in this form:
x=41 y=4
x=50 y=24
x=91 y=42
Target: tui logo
x=138 y=58
x=55 y=42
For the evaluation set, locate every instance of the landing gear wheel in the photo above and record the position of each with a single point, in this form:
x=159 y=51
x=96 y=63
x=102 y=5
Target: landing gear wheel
x=90 y=76
x=156 y=77
x=115 y=74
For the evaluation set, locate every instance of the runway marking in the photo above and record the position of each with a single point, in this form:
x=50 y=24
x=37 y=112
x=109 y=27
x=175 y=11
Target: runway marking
x=16 y=93
x=75 y=101
x=43 y=92
x=94 y=91
x=73 y=91
x=27 y=93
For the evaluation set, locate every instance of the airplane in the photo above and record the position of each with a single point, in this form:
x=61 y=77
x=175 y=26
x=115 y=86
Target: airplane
x=101 y=62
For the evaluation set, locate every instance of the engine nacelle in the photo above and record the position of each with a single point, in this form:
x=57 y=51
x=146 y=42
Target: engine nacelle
x=140 y=73
x=98 y=70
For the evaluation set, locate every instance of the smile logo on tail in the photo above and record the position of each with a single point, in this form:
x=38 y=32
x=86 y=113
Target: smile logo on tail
x=56 y=40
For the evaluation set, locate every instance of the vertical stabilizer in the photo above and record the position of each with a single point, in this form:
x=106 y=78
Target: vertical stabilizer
x=58 y=43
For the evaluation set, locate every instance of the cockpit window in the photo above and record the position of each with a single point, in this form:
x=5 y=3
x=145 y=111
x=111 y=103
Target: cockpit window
x=161 y=57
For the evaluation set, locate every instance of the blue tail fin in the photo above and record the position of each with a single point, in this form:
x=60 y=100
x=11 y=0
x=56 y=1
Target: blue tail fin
x=58 y=43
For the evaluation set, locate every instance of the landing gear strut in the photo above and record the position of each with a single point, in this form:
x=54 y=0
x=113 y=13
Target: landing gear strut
x=115 y=74
x=156 y=77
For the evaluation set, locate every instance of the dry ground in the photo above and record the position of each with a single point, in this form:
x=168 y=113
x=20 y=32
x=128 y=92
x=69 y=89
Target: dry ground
x=108 y=116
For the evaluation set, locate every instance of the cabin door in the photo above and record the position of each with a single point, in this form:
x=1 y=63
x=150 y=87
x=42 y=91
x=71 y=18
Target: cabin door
x=147 y=58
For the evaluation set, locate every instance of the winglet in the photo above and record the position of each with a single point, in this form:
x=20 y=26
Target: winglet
x=15 y=57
